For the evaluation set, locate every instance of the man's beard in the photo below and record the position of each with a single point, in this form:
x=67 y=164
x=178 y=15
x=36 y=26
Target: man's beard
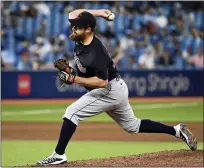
x=75 y=37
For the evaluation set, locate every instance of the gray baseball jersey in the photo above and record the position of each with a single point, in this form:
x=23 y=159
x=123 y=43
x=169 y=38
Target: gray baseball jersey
x=94 y=60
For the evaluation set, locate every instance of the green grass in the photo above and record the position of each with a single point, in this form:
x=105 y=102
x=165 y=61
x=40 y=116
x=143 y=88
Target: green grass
x=183 y=112
x=18 y=153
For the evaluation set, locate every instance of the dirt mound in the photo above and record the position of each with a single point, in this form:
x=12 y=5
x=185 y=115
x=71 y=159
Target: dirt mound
x=180 y=158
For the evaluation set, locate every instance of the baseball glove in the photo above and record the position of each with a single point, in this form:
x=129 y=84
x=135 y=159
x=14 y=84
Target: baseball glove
x=66 y=73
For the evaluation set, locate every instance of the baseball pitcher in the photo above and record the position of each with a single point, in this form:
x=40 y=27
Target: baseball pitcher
x=107 y=91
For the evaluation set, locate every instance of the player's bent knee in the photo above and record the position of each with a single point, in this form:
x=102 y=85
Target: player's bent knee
x=131 y=131
x=72 y=118
x=71 y=114
x=133 y=127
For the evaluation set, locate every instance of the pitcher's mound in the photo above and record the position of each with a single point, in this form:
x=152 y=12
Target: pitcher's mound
x=180 y=158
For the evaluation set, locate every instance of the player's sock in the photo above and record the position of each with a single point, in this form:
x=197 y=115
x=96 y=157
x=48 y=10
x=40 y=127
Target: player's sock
x=150 y=126
x=67 y=130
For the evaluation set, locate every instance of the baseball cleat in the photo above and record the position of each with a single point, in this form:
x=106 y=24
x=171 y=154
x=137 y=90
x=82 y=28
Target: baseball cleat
x=183 y=132
x=54 y=159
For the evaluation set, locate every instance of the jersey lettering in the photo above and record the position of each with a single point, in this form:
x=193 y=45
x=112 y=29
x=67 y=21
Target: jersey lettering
x=78 y=63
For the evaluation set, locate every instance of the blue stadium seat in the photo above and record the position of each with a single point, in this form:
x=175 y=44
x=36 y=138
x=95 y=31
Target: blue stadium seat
x=105 y=6
x=127 y=21
x=123 y=63
x=198 y=18
x=137 y=22
x=139 y=52
x=119 y=23
x=49 y=24
x=11 y=40
x=88 y=5
x=101 y=24
x=64 y=22
x=195 y=45
x=55 y=28
x=57 y=23
x=178 y=62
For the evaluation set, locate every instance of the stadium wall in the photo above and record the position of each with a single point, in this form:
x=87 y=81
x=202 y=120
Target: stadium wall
x=44 y=84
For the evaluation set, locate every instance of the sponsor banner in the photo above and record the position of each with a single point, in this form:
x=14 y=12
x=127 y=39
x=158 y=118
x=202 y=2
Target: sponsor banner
x=140 y=83
x=24 y=84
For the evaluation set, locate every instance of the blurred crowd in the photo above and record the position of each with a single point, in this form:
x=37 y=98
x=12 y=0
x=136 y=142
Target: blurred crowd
x=144 y=35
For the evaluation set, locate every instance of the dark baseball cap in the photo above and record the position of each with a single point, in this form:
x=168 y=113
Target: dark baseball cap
x=84 y=19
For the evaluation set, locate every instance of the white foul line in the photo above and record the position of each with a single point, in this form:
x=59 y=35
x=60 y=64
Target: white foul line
x=164 y=105
x=135 y=107
x=33 y=112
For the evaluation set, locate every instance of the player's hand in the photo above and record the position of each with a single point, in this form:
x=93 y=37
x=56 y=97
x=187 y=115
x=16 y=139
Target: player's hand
x=104 y=13
x=66 y=73
x=67 y=78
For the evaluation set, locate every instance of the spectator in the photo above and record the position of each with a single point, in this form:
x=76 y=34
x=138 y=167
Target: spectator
x=42 y=30
x=158 y=47
x=42 y=8
x=196 y=41
x=131 y=62
x=142 y=38
x=22 y=46
x=116 y=50
x=109 y=33
x=127 y=42
x=41 y=54
x=8 y=58
x=31 y=9
x=144 y=23
x=180 y=26
x=147 y=60
x=197 y=60
x=24 y=62
x=161 y=21
x=130 y=6
x=165 y=59
x=122 y=46
x=59 y=46
x=67 y=7
x=192 y=43
x=53 y=43
x=2 y=63
x=25 y=10
x=149 y=16
x=9 y=18
x=42 y=48
x=61 y=43
x=113 y=50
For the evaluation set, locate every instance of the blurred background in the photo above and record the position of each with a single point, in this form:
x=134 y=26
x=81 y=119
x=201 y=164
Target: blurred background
x=144 y=35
